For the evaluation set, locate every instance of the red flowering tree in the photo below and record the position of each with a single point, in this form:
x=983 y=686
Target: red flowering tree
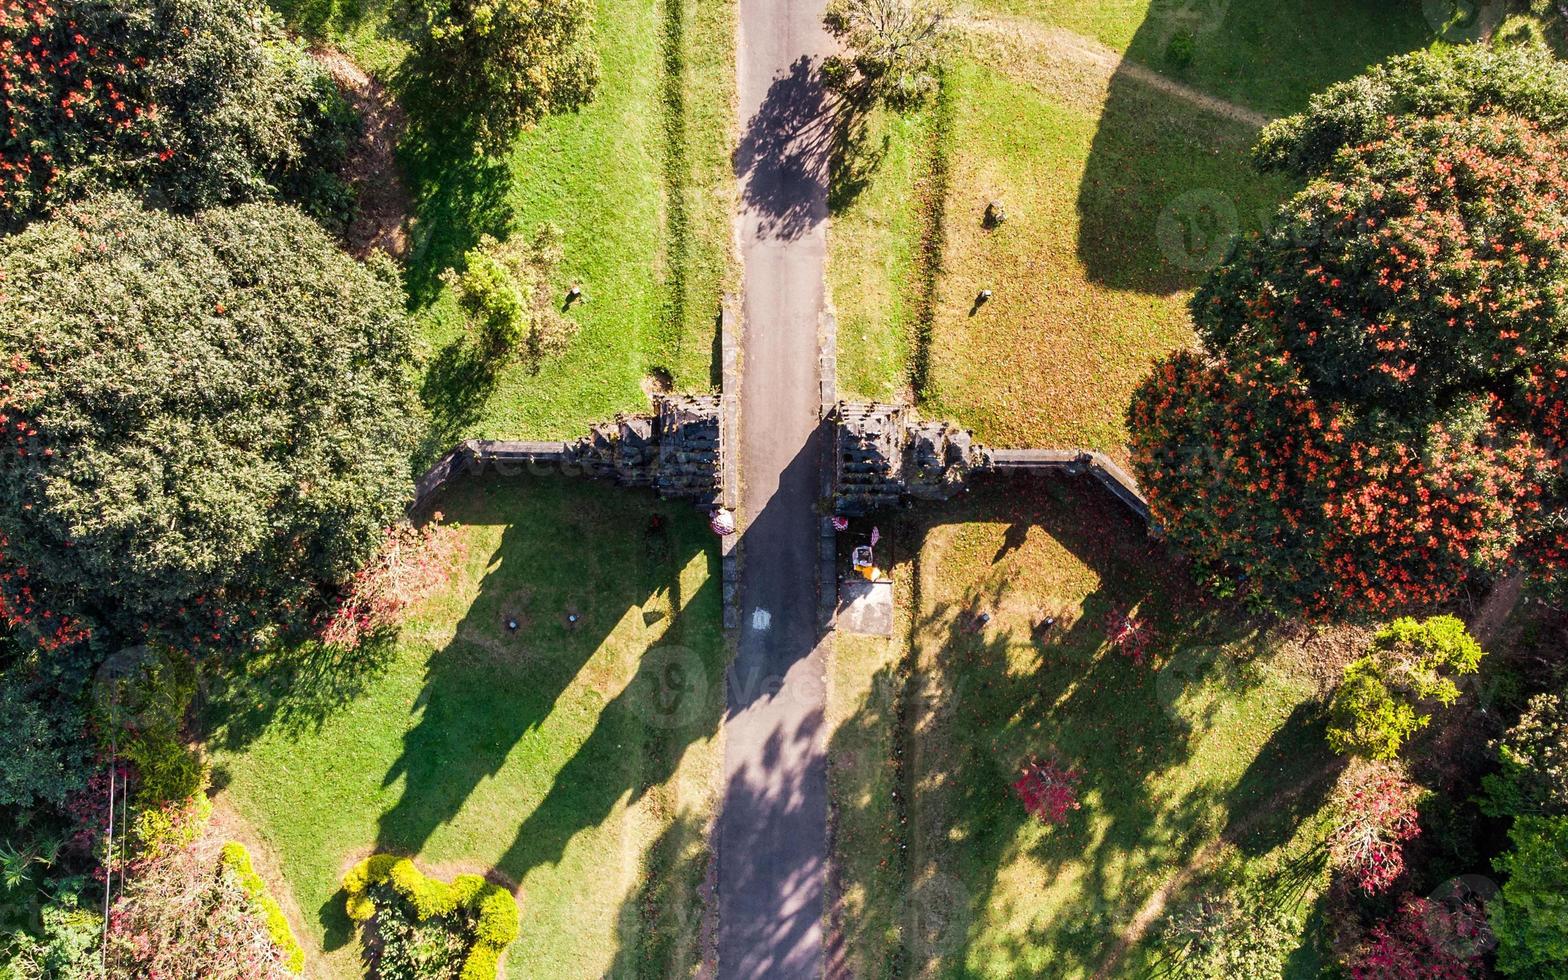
x=411 y=564
x=1370 y=425
x=1049 y=791
x=1129 y=633
x=1377 y=815
x=1425 y=940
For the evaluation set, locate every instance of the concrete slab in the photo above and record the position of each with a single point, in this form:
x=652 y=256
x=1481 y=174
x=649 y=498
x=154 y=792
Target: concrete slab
x=865 y=608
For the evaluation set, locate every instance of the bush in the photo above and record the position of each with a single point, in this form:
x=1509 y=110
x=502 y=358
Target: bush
x=506 y=290
x=1181 y=50
x=1424 y=940
x=493 y=907
x=1228 y=935
x=208 y=419
x=896 y=49
x=235 y=859
x=150 y=706
x=1374 y=709
x=65 y=945
x=411 y=564
x=504 y=64
x=192 y=103
x=177 y=918
x=1365 y=718
x=45 y=755
x=1530 y=916
x=1377 y=816
x=1048 y=790
x=1533 y=755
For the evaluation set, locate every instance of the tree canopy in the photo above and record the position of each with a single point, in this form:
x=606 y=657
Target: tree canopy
x=189 y=103
x=1530 y=917
x=503 y=65
x=204 y=419
x=895 y=49
x=1372 y=419
x=1521 y=80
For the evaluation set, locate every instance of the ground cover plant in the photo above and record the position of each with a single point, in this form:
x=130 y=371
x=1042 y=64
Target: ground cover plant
x=1202 y=770
x=557 y=757
x=638 y=180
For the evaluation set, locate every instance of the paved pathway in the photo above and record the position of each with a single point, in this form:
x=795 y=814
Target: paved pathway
x=772 y=839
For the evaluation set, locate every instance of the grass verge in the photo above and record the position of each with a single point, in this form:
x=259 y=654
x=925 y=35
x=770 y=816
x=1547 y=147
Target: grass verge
x=1210 y=756
x=640 y=182
x=547 y=757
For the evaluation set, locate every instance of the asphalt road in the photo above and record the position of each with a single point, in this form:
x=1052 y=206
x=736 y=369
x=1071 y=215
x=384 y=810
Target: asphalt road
x=772 y=838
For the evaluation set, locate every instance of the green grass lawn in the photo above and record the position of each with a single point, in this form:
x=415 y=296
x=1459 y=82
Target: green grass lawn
x=1114 y=191
x=1268 y=54
x=639 y=180
x=1083 y=293
x=1210 y=755
x=552 y=758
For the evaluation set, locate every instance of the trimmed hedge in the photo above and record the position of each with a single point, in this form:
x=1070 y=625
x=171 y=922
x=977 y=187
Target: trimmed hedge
x=234 y=857
x=496 y=909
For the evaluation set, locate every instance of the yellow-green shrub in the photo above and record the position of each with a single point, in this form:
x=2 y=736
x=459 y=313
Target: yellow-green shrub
x=494 y=907
x=236 y=859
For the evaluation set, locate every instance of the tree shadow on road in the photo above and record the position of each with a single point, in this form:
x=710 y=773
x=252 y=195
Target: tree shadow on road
x=783 y=155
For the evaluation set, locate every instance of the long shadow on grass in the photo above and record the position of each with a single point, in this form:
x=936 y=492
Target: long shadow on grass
x=660 y=925
x=978 y=701
x=493 y=687
x=1168 y=181
x=459 y=194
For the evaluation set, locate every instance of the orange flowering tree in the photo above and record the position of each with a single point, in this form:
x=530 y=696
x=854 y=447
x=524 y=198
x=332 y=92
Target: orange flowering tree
x=189 y=102
x=1374 y=419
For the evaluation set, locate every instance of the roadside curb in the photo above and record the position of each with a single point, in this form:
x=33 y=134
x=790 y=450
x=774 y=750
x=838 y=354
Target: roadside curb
x=729 y=420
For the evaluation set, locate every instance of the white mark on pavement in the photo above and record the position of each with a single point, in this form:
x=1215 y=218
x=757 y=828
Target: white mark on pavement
x=761 y=620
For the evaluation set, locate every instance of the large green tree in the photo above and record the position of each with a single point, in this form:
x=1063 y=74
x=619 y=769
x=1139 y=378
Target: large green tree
x=1530 y=917
x=502 y=65
x=190 y=103
x=203 y=420
x=1371 y=422
x=1520 y=80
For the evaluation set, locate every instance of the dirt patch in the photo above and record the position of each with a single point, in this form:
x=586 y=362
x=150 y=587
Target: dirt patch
x=1320 y=653
x=1487 y=626
x=657 y=382
x=384 y=204
x=1062 y=63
